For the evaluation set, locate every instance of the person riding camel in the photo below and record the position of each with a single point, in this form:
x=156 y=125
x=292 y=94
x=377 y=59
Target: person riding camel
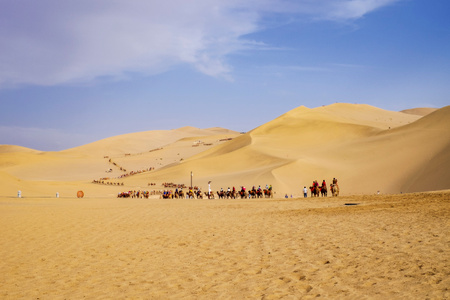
x=324 y=184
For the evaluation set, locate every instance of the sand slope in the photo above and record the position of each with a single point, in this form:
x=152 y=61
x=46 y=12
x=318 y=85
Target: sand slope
x=38 y=172
x=368 y=149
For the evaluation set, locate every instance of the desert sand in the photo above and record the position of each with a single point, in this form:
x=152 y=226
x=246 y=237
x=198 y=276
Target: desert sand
x=368 y=149
x=385 y=247
x=395 y=166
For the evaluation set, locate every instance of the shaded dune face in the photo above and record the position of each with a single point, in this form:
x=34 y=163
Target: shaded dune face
x=368 y=149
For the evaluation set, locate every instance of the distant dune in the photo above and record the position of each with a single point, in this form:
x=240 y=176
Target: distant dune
x=369 y=150
x=420 y=111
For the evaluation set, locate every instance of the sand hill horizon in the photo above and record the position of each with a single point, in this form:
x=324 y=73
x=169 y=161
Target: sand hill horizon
x=368 y=149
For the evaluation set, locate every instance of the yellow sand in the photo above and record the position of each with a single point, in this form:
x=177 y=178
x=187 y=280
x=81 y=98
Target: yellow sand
x=389 y=246
x=386 y=247
x=368 y=149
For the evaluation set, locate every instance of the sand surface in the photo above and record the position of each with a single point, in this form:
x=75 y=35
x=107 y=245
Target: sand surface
x=385 y=247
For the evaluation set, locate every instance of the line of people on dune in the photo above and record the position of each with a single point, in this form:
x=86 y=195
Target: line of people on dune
x=135 y=194
x=321 y=190
x=229 y=193
x=253 y=193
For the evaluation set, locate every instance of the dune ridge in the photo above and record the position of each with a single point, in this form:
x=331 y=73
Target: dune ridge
x=368 y=149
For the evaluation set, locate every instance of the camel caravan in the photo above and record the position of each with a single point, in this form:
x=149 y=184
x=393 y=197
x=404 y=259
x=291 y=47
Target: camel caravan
x=230 y=193
x=321 y=190
x=136 y=194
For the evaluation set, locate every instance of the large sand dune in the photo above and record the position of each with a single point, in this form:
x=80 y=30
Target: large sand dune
x=350 y=247
x=368 y=149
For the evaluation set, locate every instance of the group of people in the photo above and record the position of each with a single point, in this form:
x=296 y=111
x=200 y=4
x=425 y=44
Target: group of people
x=231 y=192
x=317 y=190
x=134 y=194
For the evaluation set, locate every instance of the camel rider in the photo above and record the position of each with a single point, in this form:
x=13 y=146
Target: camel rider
x=334 y=181
x=270 y=187
x=234 y=189
x=259 y=188
x=221 y=190
x=324 y=184
x=229 y=189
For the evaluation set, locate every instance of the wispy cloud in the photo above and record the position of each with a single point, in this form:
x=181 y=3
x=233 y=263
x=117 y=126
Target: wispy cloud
x=51 y=42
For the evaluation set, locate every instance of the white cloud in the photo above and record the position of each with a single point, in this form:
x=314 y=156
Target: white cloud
x=50 y=42
x=353 y=9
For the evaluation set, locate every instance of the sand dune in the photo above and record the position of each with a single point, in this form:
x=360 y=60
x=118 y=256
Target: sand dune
x=420 y=111
x=38 y=172
x=359 y=245
x=368 y=149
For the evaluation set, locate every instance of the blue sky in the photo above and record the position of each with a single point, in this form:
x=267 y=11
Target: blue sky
x=73 y=72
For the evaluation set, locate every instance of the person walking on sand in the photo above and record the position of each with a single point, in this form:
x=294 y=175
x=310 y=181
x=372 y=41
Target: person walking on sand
x=305 y=192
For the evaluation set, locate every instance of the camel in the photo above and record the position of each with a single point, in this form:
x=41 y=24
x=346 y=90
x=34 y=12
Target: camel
x=221 y=194
x=209 y=195
x=167 y=196
x=315 y=191
x=334 y=190
x=323 y=191
x=180 y=194
x=243 y=194
x=231 y=194
x=259 y=193
x=268 y=193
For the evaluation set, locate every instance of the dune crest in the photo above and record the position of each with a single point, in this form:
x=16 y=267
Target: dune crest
x=15 y=149
x=368 y=149
x=420 y=111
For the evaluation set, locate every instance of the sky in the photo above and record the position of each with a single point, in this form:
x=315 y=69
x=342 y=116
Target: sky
x=76 y=71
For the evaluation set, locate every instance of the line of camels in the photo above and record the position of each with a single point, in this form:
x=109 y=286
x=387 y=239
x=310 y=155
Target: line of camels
x=321 y=190
x=231 y=194
x=316 y=191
